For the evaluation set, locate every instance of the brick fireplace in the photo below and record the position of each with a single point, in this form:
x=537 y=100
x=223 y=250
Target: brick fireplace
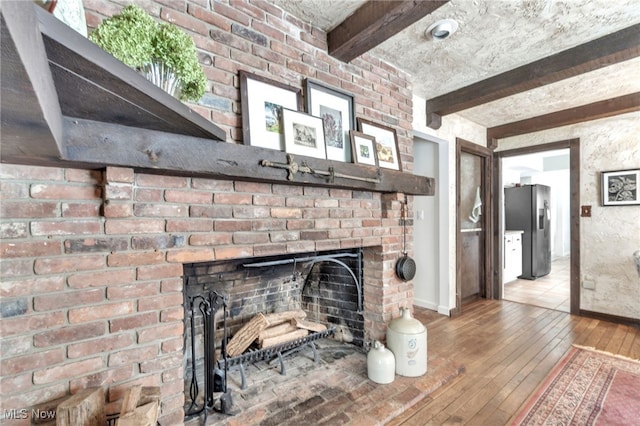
x=93 y=254
x=326 y=287
x=92 y=269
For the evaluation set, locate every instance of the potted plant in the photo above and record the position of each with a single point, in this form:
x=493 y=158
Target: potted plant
x=165 y=54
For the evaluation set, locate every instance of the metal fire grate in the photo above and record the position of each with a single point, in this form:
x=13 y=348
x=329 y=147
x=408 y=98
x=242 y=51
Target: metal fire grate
x=279 y=351
x=216 y=370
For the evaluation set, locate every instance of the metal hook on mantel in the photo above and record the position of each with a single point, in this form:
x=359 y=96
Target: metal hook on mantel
x=293 y=167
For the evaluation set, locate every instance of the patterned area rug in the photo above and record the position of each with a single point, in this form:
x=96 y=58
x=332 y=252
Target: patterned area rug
x=587 y=387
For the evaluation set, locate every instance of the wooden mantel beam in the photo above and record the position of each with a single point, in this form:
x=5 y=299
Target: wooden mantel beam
x=374 y=22
x=610 y=49
x=94 y=145
x=593 y=111
x=31 y=115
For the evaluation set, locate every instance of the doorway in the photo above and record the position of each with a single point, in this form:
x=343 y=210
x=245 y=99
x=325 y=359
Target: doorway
x=549 y=288
x=432 y=227
x=473 y=223
x=555 y=165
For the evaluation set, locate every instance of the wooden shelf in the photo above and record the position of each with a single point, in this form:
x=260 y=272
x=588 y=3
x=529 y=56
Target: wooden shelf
x=67 y=103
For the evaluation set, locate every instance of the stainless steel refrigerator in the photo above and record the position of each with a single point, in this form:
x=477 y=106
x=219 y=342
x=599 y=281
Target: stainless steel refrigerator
x=527 y=208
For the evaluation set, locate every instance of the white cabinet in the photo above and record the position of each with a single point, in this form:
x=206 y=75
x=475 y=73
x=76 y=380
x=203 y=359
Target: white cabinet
x=512 y=256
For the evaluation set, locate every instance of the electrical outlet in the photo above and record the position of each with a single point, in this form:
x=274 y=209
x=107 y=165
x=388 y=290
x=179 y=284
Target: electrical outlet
x=585 y=211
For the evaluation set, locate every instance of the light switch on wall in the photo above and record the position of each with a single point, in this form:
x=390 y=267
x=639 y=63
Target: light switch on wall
x=585 y=211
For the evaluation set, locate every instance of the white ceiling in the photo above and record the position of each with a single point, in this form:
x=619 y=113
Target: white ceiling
x=495 y=36
x=529 y=164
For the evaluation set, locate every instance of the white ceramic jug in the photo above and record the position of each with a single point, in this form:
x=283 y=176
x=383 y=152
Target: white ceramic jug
x=381 y=364
x=407 y=339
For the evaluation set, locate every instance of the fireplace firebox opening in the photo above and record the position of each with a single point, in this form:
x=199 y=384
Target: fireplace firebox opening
x=222 y=298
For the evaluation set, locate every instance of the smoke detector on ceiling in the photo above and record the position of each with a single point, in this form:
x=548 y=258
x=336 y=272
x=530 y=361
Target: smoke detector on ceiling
x=441 y=29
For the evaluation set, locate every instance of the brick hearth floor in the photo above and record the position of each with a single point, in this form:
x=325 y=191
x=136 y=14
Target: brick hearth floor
x=335 y=391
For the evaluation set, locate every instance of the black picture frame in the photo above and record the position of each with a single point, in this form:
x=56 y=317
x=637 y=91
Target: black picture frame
x=262 y=101
x=620 y=187
x=336 y=108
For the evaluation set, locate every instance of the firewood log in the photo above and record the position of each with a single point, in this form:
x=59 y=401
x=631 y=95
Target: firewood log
x=145 y=415
x=246 y=335
x=130 y=400
x=280 y=317
x=276 y=330
x=251 y=330
x=309 y=325
x=84 y=408
x=273 y=341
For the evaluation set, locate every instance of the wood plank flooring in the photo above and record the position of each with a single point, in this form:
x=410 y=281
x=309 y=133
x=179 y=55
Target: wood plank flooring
x=507 y=349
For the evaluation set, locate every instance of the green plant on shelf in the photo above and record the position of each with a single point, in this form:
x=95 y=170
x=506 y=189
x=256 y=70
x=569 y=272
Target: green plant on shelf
x=136 y=39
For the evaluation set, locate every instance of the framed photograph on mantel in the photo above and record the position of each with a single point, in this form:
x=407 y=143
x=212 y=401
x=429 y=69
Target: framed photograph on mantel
x=620 y=188
x=386 y=143
x=262 y=103
x=337 y=111
x=363 y=148
x=303 y=134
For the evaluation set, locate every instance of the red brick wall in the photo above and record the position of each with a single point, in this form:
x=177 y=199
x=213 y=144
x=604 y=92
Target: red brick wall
x=260 y=38
x=91 y=263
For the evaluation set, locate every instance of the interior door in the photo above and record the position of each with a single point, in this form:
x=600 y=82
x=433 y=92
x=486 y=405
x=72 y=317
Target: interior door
x=473 y=223
x=470 y=224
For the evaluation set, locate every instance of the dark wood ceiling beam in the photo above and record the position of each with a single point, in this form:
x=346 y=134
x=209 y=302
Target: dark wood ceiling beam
x=375 y=22
x=610 y=49
x=593 y=111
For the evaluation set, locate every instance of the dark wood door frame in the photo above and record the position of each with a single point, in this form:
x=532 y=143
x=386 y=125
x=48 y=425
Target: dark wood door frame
x=486 y=219
x=574 y=208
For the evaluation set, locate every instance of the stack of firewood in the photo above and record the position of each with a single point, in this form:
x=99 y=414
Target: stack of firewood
x=271 y=330
x=140 y=407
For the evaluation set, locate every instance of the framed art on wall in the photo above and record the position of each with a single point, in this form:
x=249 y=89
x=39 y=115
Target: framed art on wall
x=620 y=187
x=262 y=103
x=303 y=134
x=363 y=148
x=386 y=143
x=336 y=109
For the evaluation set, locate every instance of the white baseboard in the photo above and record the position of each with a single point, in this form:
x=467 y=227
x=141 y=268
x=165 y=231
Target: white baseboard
x=425 y=304
x=444 y=310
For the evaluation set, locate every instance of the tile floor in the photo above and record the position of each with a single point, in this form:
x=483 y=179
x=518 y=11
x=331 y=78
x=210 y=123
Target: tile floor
x=551 y=291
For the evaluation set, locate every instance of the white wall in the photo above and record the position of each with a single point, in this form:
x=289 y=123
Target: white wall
x=425 y=229
x=610 y=236
x=453 y=126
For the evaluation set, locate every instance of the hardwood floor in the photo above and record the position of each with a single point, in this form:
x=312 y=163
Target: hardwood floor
x=507 y=349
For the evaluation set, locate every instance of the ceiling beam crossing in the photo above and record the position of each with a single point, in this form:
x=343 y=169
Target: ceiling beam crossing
x=593 y=111
x=604 y=51
x=373 y=23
